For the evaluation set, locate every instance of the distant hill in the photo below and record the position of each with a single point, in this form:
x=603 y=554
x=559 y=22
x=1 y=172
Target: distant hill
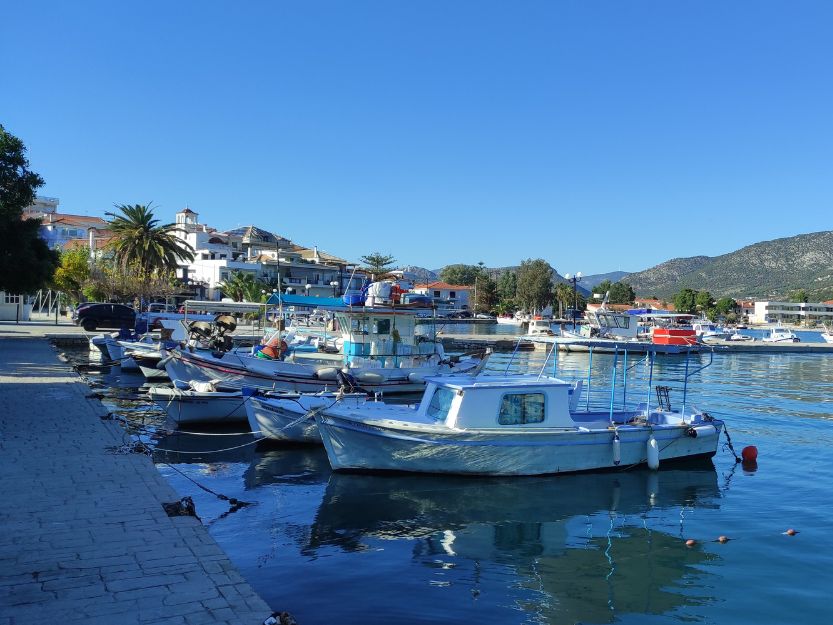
x=423 y=275
x=614 y=276
x=770 y=269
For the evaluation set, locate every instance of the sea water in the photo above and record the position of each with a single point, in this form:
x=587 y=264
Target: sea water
x=590 y=548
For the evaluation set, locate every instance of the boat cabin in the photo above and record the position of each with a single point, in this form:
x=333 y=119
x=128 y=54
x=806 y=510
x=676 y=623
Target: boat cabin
x=486 y=402
x=386 y=335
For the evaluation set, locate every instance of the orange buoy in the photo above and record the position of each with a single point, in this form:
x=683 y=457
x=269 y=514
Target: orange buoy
x=749 y=454
x=723 y=539
x=791 y=532
x=690 y=542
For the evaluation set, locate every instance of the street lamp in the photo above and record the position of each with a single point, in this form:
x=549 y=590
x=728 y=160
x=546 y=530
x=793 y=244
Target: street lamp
x=334 y=284
x=575 y=280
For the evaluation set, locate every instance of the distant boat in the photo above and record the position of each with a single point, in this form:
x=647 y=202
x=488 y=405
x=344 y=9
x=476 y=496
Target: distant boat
x=780 y=334
x=827 y=335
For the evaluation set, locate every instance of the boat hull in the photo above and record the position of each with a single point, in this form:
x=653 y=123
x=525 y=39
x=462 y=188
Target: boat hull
x=353 y=445
x=277 y=375
x=184 y=407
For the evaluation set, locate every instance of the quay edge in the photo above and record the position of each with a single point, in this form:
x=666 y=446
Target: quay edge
x=85 y=535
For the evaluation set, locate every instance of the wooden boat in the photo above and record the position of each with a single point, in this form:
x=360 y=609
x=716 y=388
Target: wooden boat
x=510 y=425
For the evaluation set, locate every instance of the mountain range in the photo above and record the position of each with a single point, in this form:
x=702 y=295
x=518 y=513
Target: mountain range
x=766 y=270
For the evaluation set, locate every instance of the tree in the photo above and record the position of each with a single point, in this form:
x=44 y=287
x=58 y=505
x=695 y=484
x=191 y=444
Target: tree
x=603 y=287
x=242 y=286
x=138 y=240
x=506 y=286
x=725 y=305
x=460 y=274
x=799 y=296
x=686 y=301
x=564 y=297
x=377 y=264
x=26 y=262
x=534 y=290
x=487 y=296
x=111 y=282
x=704 y=302
x=621 y=293
x=72 y=273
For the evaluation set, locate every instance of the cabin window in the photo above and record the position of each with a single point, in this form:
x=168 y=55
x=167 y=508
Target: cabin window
x=521 y=408
x=382 y=326
x=440 y=404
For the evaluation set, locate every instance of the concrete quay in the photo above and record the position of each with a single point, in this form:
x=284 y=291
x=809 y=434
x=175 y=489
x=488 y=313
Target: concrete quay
x=83 y=535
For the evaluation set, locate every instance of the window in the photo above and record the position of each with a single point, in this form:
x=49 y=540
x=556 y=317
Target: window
x=452 y=294
x=521 y=408
x=440 y=404
x=436 y=294
x=382 y=326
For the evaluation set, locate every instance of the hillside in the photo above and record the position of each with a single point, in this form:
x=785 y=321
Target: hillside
x=614 y=276
x=770 y=269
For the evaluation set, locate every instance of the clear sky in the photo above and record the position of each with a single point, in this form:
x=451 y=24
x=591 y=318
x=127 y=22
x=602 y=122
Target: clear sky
x=599 y=136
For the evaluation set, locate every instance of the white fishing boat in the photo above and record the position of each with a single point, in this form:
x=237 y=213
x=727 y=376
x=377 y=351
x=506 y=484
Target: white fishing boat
x=148 y=363
x=381 y=350
x=827 y=335
x=290 y=417
x=780 y=334
x=200 y=403
x=517 y=319
x=706 y=330
x=510 y=425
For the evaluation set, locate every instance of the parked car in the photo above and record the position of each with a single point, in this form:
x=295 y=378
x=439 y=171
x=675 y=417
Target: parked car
x=111 y=316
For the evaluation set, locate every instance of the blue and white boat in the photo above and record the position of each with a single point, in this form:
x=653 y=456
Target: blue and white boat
x=381 y=350
x=510 y=425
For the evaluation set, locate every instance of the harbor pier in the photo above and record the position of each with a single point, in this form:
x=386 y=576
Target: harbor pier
x=84 y=537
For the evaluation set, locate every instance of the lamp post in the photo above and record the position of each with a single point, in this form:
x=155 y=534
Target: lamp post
x=308 y=287
x=575 y=280
x=334 y=284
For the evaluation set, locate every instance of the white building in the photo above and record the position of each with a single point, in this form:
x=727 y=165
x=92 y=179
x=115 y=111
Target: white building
x=446 y=296
x=799 y=313
x=274 y=260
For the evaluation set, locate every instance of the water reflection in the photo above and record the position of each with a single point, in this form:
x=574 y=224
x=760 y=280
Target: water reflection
x=582 y=545
x=303 y=464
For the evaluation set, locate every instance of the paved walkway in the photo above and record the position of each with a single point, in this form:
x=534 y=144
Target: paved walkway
x=83 y=536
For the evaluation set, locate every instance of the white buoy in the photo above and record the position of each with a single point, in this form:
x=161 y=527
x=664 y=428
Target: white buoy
x=617 y=449
x=653 y=453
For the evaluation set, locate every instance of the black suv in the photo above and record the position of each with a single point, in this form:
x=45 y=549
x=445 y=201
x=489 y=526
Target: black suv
x=115 y=316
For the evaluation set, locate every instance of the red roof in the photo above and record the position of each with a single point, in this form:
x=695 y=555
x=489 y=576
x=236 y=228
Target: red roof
x=641 y=302
x=74 y=220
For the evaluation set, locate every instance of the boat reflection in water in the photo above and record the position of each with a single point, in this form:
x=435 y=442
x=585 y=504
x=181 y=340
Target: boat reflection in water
x=301 y=464
x=581 y=548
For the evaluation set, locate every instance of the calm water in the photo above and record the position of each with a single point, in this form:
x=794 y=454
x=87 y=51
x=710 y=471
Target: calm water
x=592 y=548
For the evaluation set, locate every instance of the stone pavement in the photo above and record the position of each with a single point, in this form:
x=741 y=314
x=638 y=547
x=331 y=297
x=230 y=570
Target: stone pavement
x=83 y=535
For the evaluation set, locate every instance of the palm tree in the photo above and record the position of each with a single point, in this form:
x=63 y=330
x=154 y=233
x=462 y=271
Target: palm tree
x=242 y=286
x=139 y=242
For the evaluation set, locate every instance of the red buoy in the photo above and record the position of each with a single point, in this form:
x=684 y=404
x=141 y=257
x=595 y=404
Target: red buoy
x=749 y=454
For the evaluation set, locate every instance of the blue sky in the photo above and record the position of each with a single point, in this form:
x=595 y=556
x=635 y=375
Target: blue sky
x=599 y=136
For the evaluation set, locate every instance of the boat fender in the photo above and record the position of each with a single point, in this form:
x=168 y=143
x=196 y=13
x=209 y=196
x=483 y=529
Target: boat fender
x=369 y=377
x=749 y=453
x=617 y=449
x=653 y=454
x=416 y=378
x=700 y=431
x=161 y=364
x=327 y=373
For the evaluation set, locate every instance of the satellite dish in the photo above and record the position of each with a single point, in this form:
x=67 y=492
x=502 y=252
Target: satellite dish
x=201 y=329
x=226 y=323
